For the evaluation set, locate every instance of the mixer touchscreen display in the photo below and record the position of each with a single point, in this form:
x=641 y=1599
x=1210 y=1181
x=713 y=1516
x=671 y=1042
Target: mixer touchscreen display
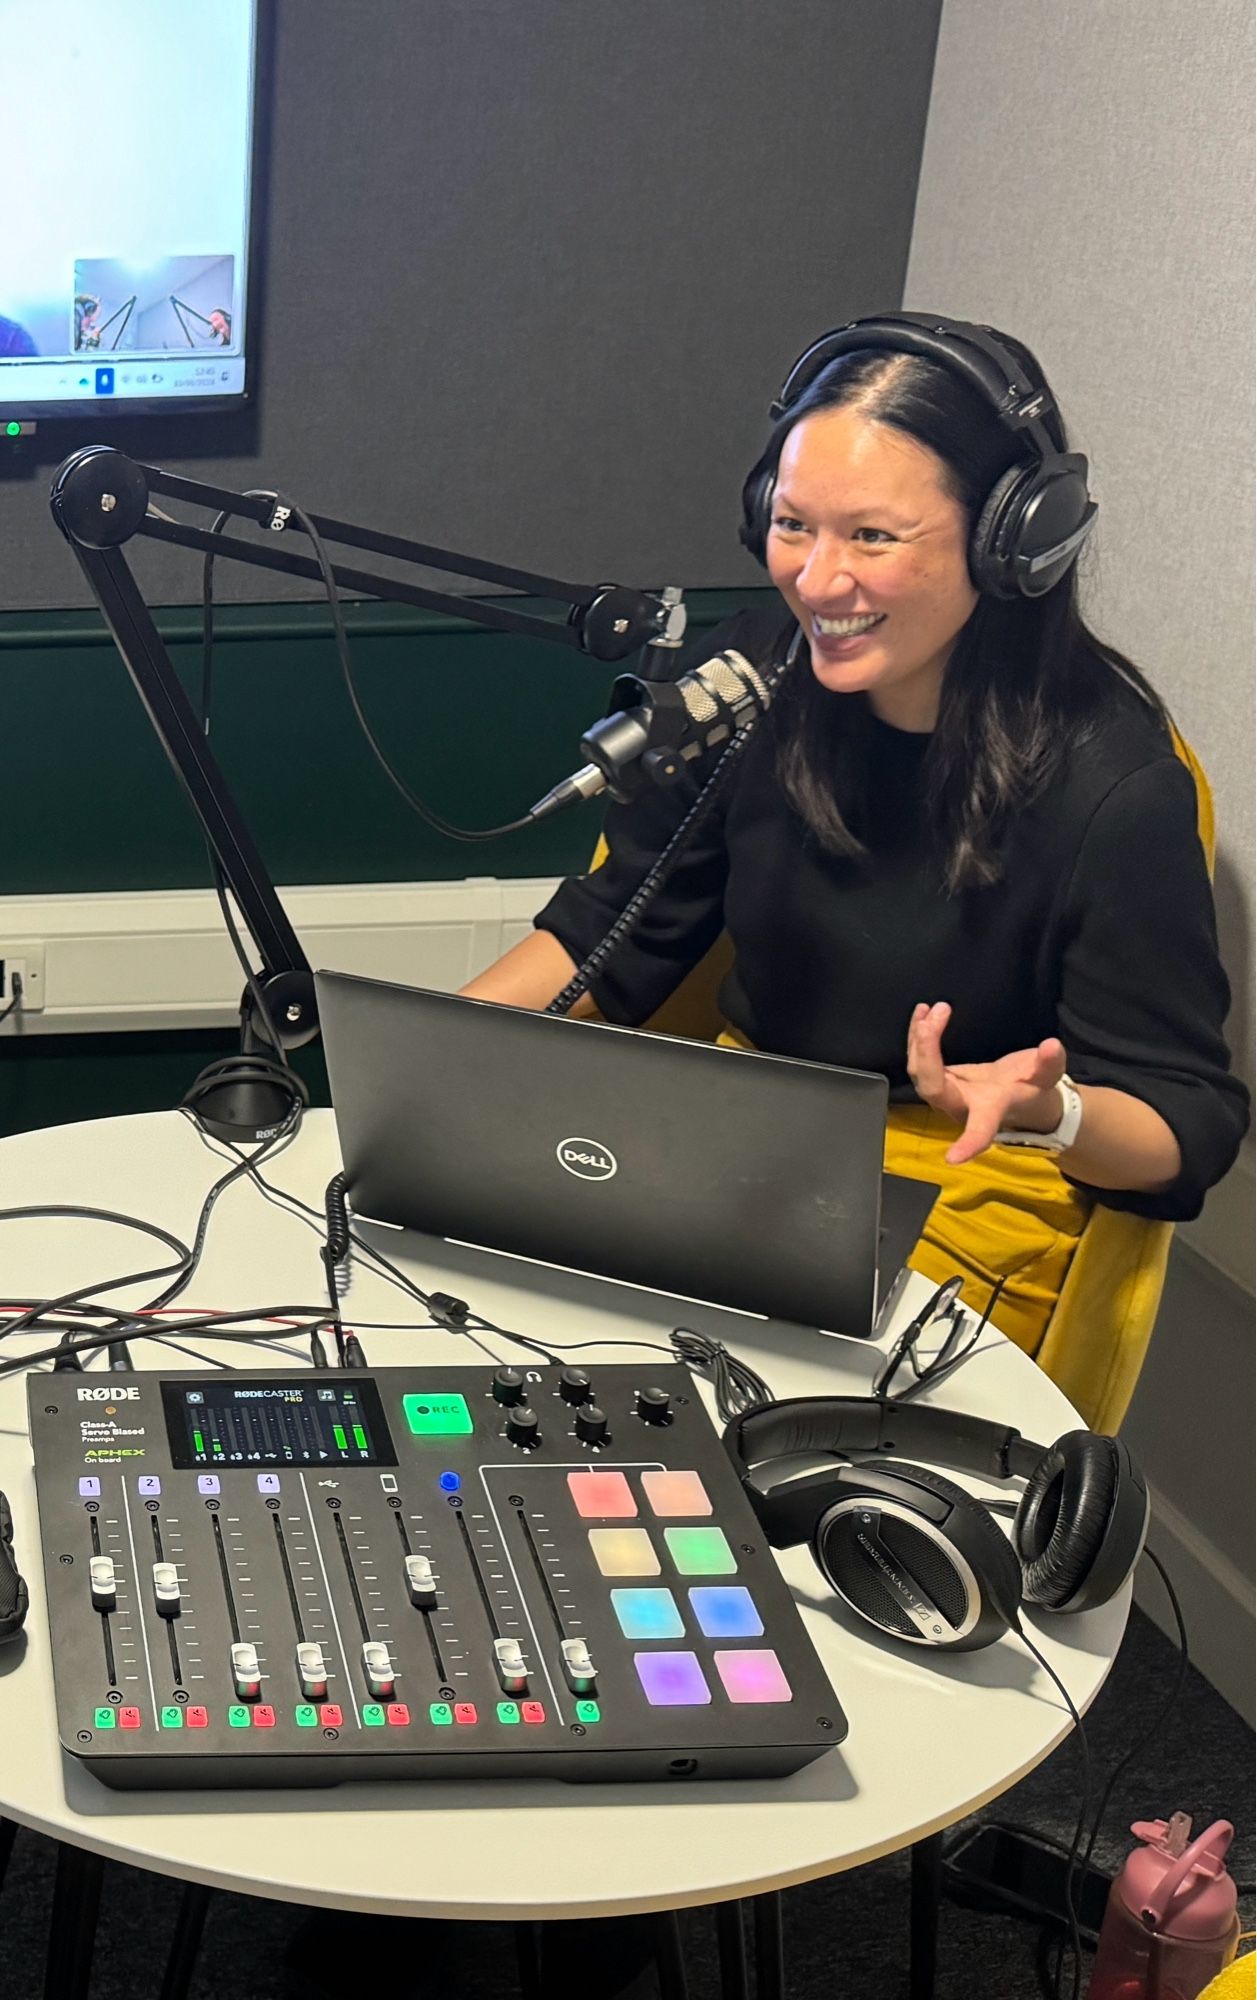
x=231 y=1420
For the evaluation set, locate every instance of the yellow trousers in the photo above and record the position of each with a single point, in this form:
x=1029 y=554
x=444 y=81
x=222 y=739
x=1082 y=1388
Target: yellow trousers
x=1008 y=1214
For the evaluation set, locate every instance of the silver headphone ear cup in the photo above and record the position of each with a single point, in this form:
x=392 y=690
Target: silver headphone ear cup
x=931 y=1577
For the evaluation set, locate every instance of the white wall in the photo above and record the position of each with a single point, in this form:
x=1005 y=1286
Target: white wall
x=1087 y=185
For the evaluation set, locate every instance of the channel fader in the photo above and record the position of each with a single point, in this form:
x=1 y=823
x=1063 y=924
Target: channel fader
x=299 y=1578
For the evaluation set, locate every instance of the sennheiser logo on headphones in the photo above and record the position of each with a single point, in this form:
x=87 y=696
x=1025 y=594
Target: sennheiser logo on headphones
x=588 y=1159
x=893 y=1574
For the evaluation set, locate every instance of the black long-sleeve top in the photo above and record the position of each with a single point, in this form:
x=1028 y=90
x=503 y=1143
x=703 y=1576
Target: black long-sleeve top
x=1100 y=930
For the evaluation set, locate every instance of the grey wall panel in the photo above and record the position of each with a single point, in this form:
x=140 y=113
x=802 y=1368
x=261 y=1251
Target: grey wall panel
x=535 y=272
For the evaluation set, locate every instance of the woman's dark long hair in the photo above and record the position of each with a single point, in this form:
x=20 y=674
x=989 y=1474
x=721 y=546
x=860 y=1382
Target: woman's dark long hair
x=1027 y=680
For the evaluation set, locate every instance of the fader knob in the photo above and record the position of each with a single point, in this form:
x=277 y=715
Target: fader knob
x=508 y=1386
x=575 y=1385
x=654 y=1406
x=523 y=1427
x=591 y=1424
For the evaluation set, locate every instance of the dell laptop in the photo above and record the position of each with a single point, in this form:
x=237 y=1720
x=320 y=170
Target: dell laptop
x=751 y=1181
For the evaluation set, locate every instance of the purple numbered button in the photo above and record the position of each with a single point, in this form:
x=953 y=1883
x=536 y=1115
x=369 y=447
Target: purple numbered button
x=148 y=1486
x=753 y=1675
x=268 y=1482
x=89 y=1489
x=672 y=1680
x=208 y=1483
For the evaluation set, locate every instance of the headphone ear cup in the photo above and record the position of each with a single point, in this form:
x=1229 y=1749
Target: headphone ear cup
x=1080 y=1525
x=757 y=496
x=988 y=544
x=1030 y=510
x=956 y=1556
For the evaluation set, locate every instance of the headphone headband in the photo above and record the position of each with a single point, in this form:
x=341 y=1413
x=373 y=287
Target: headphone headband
x=964 y=349
x=871 y=1426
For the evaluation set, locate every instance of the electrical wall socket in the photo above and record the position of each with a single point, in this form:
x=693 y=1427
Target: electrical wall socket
x=28 y=959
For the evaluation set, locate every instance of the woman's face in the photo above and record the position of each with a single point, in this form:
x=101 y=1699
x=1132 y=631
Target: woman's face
x=862 y=528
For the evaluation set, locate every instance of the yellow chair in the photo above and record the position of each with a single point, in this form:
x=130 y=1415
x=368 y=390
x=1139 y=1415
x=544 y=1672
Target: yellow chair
x=1098 y=1334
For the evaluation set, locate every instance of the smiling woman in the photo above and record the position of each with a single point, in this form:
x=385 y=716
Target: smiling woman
x=964 y=821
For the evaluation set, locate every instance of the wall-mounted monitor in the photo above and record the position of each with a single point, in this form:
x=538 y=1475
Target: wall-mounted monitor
x=128 y=137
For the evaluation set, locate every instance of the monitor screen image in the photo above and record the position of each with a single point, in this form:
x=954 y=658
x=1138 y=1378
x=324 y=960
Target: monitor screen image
x=129 y=150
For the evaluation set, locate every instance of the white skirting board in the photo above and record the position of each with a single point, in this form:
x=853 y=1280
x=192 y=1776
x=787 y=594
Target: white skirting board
x=161 y=959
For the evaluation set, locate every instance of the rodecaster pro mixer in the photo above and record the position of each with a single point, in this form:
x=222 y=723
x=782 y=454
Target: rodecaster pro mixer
x=298 y=1578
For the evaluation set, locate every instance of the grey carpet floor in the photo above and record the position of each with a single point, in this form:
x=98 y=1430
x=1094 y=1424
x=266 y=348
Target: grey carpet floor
x=846 y=1937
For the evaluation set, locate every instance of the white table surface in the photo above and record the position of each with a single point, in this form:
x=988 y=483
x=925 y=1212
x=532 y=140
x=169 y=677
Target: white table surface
x=931 y=1737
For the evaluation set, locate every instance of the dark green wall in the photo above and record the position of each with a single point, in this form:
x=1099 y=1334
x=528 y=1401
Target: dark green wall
x=479 y=723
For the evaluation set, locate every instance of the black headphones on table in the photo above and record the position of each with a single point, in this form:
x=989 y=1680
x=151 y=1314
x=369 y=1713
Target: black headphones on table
x=1032 y=525
x=916 y=1555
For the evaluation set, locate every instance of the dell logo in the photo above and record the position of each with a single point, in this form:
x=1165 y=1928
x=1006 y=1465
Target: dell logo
x=108 y=1395
x=587 y=1159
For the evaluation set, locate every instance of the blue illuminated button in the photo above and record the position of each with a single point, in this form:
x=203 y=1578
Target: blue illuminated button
x=89 y=1489
x=753 y=1676
x=104 y=381
x=442 y=1414
x=449 y=1482
x=700 y=1551
x=672 y=1680
x=725 y=1611
x=647 y=1614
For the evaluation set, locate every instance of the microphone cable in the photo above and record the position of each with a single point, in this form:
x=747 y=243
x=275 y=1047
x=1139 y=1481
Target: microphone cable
x=738 y=1387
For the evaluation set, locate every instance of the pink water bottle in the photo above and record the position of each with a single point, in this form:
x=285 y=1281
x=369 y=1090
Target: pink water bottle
x=1170 y=1923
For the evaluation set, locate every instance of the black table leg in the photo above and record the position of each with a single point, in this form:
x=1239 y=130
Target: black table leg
x=186 y=1942
x=770 y=1962
x=927 y=1875
x=669 y=1958
x=528 y=1956
x=731 y=1943
x=8 y=1833
x=72 y=1929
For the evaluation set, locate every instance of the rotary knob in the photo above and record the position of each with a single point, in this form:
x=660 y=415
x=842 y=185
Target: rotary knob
x=508 y=1386
x=654 y=1406
x=523 y=1427
x=575 y=1385
x=591 y=1424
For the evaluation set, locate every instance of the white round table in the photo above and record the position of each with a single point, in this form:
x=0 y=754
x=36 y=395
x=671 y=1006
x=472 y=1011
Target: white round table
x=931 y=1736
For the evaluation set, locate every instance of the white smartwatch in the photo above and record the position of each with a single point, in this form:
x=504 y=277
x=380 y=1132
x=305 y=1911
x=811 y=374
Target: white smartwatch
x=1063 y=1133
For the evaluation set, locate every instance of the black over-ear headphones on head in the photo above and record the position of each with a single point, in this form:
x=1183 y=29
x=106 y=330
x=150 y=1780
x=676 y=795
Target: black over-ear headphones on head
x=1032 y=525
x=916 y=1555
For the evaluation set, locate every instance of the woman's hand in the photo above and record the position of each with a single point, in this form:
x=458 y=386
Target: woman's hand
x=1018 y=1090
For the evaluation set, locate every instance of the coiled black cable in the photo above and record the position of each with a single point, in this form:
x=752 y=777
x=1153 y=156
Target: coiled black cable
x=738 y=1388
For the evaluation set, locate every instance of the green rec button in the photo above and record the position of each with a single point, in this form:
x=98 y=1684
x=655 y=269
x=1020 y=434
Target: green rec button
x=172 y=1718
x=444 y=1415
x=106 y=1718
x=588 y=1711
x=373 y=1715
x=305 y=1715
